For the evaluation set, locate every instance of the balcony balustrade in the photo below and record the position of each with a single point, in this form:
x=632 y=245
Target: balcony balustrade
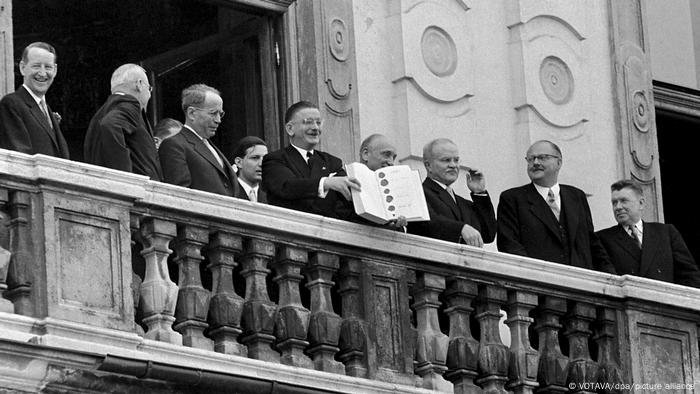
x=112 y=282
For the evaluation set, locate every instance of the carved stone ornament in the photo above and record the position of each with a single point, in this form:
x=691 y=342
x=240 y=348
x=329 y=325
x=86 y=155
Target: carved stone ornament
x=556 y=80
x=439 y=51
x=338 y=39
x=640 y=111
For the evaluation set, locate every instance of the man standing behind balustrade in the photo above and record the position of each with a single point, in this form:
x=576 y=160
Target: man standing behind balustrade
x=453 y=218
x=189 y=158
x=119 y=135
x=647 y=249
x=547 y=220
x=27 y=123
x=248 y=156
x=302 y=177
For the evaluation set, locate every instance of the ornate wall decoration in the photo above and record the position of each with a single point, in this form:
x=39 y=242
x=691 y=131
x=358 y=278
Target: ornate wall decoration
x=641 y=143
x=338 y=39
x=548 y=64
x=439 y=51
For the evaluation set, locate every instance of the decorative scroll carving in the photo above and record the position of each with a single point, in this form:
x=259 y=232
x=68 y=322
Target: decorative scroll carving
x=463 y=350
x=292 y=320
x=258 y=310
x=192 y=299
x=522 y=369
x=324 y=327
x=158 y=292
x=353 y=332
x=431 y=343
x=493 y=354
x=226 y=307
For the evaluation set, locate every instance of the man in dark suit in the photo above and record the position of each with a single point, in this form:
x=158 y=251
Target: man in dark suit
x=651 y=250
x=188 y=158
x=26 y=122
x=303 y=178
x=453 y=218
x=549 y=221
x=119 y=135
x=247 y=157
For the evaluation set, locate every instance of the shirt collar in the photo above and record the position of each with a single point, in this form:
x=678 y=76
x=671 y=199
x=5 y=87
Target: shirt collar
x=34 y=96
x=302 y=151
x=543 y=191
x=247 y=187
x=195 y=133
x=639 y=225
x=442 y=185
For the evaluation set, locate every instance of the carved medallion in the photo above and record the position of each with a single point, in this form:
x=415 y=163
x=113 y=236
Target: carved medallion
x=338 y=40
x=640 y=111
x=439 y=51
x=556 y=80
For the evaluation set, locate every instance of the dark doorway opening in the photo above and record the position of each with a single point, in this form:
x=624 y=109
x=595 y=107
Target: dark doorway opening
x=677 y=136
x=179 y=42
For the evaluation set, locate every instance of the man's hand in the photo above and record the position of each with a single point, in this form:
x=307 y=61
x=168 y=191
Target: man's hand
x=399 y=222
x=471 y=236
x=476 y=181
x=343 y=185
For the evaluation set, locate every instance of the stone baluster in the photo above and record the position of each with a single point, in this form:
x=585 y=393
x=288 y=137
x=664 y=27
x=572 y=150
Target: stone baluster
x=192 y=299
x=353 y=331
x=19 y=276
x=324 y=326
x=582 y=369
x=292 y=320
x=137 y=264
x=552 y=368
x=605 y=334
x=258 y=310
x=493 y=354
x=463 y=350
x=158 y=292
x=431 y=343
x=5 y=255
x=226 y=307
x=523 y=359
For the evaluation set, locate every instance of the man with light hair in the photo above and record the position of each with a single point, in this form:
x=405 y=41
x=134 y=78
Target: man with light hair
x=119 y=135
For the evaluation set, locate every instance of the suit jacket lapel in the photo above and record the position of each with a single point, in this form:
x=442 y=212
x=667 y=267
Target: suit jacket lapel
x=202 y=149
x=39 y=115
x=297 y=162
x=445 y=197
x=626 y=243
x=572 y=216
x=541 y=211
x=649 y=249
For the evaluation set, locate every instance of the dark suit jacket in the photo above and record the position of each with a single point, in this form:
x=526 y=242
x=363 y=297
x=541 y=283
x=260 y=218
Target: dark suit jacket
x=240 y=193
x=447 y=217
x=186 y=161
x=24 y=127
x=527 y=227
x=290 y=183
x=119 y=136
x=664 y=255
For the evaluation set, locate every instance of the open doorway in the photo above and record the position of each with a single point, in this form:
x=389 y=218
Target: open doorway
x=179 y=42
x=676 y=134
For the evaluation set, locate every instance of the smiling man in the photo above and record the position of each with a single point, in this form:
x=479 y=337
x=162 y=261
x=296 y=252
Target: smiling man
x=547 y=220
x=248 y=156
x=302 y=177
x=647 y=249
x=452 y=217
x=189 y=158
x=26 y=122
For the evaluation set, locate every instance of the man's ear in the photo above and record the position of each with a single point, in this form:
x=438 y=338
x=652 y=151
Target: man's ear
x=237 y=161
x=288 y=129
x=21 y=67
x=364 y=154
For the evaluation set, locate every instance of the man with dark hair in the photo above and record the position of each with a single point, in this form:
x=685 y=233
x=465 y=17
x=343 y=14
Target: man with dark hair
x=453 y=218
x=549 y=221
x=247 y=157
x=119 y=135
x=647 y=249
x=189 y=158
x=303 y=178
x=26 y=122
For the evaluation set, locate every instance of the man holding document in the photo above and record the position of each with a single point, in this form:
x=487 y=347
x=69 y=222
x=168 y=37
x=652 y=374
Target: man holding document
x=303 y=178
x=453 y=218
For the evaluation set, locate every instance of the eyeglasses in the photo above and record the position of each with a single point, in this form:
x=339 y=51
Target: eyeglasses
x=212 y=113
x=312 y=121
x=540 y=158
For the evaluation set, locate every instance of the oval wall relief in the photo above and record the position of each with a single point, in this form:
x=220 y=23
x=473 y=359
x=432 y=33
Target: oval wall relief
x=556 y=80
x=439 y=51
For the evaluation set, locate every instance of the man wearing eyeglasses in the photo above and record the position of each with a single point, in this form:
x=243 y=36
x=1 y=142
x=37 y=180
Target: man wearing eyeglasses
x=302 y=177
x=119 y=135
x=189 y=158
x=547 y=220
x=26 y=122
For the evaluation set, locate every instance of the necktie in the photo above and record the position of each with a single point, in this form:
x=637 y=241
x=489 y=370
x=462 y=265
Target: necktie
x=45 y=110
x=451 y=193
x=634 y=233
x=253 y=196
x=552 y=202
